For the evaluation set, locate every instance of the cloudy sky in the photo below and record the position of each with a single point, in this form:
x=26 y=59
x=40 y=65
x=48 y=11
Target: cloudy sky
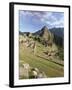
x=31 y=21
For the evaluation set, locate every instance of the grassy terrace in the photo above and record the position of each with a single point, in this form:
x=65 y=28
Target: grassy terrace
x=50 y=68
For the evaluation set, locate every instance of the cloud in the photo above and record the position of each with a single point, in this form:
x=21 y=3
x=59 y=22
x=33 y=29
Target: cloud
x=53 y=19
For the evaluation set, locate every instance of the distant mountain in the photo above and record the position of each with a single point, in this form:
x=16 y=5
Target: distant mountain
x=44 y=36
x=48 y=36
x=25 y=33
x=58 y=35
x=21 y=33
x=44 y=32
x=40 y=32
x=58 y=31
x=55 y=35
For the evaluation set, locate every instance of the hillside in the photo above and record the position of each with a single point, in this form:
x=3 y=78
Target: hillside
x=58 y=31
x=58 y=35
x=55 y=35
x=39 y=52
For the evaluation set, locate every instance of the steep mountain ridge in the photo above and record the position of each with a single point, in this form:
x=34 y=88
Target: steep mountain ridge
x=48 y=36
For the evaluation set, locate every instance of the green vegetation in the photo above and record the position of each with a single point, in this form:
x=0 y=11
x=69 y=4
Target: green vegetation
x=43 y=51
x=40 y=60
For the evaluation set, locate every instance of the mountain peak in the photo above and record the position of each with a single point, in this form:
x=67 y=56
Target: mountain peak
x=45 y=28
x=43 y=31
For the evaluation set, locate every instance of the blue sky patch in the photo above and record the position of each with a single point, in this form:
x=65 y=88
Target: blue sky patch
x=31 y=21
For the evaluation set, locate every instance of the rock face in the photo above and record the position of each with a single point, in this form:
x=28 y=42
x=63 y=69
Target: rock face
x=29 y=72
x=49 y=36
x=24 y=70
x=58 y=31
x=45 y=33
x=46 y=37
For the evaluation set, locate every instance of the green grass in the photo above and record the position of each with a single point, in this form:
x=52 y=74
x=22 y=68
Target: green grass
x=51 y=69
